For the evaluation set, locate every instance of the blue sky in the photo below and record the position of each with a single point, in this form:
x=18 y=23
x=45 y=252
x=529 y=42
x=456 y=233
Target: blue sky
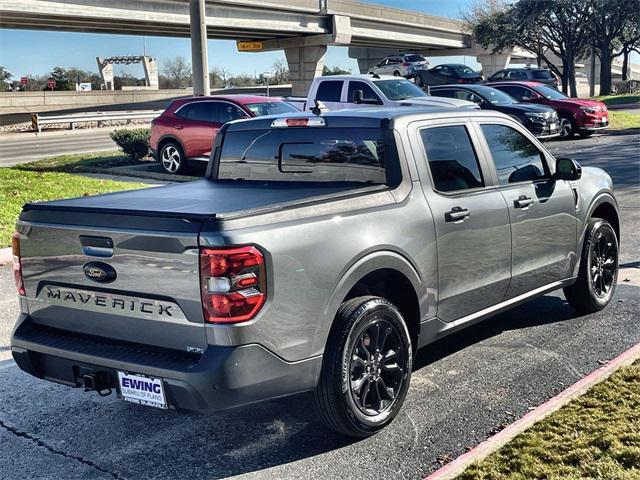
x=26 y=52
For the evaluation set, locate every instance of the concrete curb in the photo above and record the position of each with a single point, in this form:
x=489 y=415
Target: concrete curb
x=478 y=453
x=6 y=256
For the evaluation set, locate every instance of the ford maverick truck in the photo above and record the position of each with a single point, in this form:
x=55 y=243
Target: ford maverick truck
x=318 y=254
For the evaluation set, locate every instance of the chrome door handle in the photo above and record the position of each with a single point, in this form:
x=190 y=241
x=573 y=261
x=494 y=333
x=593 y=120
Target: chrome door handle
x=523 y=202
x=456 y=214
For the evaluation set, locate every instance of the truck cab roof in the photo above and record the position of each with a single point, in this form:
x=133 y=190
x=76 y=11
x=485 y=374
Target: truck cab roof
x=362 y=117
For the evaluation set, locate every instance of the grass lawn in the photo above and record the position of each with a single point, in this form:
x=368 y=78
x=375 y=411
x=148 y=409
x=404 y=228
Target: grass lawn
x=623 y=120
x=80 y=163
x=619 y=99
x=597 y=436
x=19 y=186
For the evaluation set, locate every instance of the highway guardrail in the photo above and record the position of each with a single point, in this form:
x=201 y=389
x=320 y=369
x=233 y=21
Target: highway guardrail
x=38 y=121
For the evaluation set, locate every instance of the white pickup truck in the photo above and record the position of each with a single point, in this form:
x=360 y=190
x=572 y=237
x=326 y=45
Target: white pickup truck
x=336 y=92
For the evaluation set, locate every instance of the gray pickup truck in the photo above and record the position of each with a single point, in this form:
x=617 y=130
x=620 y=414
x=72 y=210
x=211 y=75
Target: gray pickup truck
x=318 y=254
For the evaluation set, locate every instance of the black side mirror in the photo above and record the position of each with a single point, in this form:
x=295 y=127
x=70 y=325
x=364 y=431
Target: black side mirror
x=358 y=96
x=567 y=169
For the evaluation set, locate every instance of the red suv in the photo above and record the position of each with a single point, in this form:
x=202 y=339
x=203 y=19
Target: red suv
x=186 y=129
x=576 y=115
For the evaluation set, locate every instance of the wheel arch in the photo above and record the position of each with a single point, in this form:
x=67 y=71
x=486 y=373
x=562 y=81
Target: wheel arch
x=386 y=274
x=605 y=207
x=170 y=138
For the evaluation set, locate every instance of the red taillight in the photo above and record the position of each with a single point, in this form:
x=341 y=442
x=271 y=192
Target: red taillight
x=406 y=64
x=233 y=284
x=297 y=122
x=17 y=267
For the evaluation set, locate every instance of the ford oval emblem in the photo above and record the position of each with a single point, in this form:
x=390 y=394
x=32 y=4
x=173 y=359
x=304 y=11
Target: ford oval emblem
x=100 y=272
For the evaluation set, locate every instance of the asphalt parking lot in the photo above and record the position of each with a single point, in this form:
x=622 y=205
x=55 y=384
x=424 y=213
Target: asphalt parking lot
x=463 y=388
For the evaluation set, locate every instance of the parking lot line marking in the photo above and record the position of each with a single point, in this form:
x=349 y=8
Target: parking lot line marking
x=484 y=449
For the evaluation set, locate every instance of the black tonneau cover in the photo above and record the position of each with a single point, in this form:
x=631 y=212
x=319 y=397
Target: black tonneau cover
x=206 y=199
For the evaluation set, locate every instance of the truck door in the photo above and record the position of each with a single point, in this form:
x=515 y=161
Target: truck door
x=329 y=93
x=542 y=210
x=473 y=237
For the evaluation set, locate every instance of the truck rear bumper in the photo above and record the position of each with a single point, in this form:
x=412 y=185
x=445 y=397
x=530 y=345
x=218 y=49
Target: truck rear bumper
x=219 y=378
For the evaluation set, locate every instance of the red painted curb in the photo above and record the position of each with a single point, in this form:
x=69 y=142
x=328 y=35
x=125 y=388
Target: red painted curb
x=6 y=257
x=484 y=449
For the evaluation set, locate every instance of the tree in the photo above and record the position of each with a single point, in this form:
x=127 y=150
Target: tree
x=540 y=26
x=629 y=41
x=608 y=21
x=5 y=78
x=176 y=73
x=219 y=77
x=334 y=71
x=280 y=72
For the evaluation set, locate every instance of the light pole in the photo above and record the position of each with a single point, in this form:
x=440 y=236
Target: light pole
x=267 y=76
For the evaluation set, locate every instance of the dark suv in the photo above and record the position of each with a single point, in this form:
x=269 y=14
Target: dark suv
x=540 y=75
x=540 y=120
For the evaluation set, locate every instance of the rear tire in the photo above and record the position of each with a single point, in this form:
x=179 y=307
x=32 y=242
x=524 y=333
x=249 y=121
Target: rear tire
x=172 y=158
x=397 y=74
x=598 y=274
x=366 y=368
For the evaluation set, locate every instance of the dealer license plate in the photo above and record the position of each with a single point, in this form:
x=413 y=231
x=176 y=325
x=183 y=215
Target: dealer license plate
x=143 y=390
x=605 y=119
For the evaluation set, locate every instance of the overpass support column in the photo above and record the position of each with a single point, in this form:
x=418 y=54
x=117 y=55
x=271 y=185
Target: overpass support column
x=305 y=63
x=199 y=59
x=492 y=62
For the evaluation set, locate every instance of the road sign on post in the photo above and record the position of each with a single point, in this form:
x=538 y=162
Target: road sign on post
x=51 y=83
x=24 y=80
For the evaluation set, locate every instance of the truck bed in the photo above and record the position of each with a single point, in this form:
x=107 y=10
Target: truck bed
x=202 y=200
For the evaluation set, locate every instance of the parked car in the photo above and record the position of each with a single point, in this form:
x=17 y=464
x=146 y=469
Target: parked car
x=577 y=115
x=318 y=254
x=185 y=130
x=540 y=120
x=358 y=91
x=540 y=75
x=401 y=65
x=446 y=74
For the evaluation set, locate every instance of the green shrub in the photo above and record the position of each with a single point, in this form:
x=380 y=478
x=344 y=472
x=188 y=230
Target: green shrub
x=134 y=142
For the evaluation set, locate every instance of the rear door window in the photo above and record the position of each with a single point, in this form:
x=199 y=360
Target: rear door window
x=329 y=91
x=516 y=158
x=517 y=75
x=199 y=111
x=452 y=159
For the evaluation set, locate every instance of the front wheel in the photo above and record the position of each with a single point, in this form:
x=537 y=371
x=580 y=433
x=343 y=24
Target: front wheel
x=366 y=368
x=567 y=128
x=598 y=272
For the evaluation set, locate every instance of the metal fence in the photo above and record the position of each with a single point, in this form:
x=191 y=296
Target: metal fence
x=38 y=121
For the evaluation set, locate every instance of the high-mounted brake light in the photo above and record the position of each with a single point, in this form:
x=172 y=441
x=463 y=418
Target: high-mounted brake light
x=298 y=122
x=233 y=284
x=17 y=266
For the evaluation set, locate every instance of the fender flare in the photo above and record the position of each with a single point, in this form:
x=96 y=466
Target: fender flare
x=600 y=198
x=366 y=264
x=168 y=136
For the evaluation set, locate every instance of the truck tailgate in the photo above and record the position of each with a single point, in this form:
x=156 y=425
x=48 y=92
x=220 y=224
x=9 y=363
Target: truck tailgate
x=151 y=296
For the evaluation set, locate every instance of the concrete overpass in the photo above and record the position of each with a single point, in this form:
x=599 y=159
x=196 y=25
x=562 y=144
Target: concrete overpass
x=302 y=28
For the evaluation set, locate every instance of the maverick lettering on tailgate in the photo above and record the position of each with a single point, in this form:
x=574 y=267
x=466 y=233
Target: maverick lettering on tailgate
x=112 y=303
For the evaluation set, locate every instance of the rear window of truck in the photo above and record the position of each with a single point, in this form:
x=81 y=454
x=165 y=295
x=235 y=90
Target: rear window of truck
x=309 y=155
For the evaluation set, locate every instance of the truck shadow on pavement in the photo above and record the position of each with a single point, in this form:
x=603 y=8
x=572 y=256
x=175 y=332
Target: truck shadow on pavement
x=137 y=442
